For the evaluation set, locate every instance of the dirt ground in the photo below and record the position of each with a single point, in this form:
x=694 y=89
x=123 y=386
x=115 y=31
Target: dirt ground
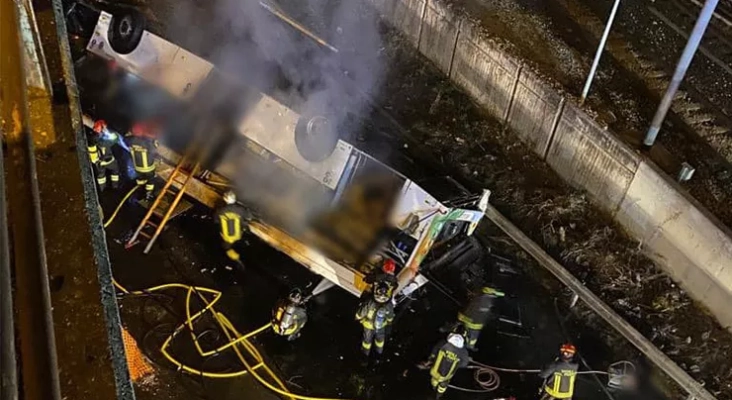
x=628 y=86
x=558 y=217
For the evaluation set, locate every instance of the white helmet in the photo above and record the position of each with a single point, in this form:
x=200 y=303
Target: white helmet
x=456 y=340
x=230 y=197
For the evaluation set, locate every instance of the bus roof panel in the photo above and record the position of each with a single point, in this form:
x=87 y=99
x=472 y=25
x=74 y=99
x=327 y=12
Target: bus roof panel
x=272 y=125
x=155 y=59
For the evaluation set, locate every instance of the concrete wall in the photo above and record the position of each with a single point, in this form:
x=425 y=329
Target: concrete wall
x=689 y=243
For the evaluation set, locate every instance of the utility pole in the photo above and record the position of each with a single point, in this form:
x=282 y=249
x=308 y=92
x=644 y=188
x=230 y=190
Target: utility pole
x=691 y=46
x=598 y=54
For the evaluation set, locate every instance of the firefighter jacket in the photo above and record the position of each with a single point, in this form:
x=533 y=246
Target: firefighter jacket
x=100 y=148
x=288 y=318
x=374 y=315
x=447 y=360
x=144 y=153
x=478 y=311
x=559 y=379
x=231 y=219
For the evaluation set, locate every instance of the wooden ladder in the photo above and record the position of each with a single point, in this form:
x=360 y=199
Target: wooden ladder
x=157 y=215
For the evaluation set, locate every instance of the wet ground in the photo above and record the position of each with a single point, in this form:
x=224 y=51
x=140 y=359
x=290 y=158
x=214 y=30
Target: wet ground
x=326 y=360
x=440 y=124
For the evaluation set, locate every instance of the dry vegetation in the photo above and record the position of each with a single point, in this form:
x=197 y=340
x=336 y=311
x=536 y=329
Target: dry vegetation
x=560 y=218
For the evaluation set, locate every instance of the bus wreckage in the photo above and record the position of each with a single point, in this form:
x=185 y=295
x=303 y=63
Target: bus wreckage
x=315 y=196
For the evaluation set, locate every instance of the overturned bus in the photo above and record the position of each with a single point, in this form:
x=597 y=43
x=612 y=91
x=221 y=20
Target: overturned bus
x=335 y=208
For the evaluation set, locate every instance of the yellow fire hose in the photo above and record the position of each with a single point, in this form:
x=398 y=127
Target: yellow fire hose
x=234 y=337
x=119 y=206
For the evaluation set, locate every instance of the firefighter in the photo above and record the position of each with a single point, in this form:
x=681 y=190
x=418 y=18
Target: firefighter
x=446 y=358
x=100 y=153
x=231 y=219
x=385 y=276
x=289 y=315
x=375 y=315
x=143 y=147
x=559 y=376
x=477 y=313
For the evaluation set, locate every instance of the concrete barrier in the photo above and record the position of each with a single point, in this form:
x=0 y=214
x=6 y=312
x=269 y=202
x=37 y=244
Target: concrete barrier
x=440 y=29
x=405 y=15
x=685 y=239
x=678 y=234
x=591 y=158
x=535 y=112
x=482 y=70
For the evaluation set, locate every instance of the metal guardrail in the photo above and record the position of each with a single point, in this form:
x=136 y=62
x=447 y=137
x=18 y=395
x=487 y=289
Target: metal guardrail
x=656 y=356
x=8 y=367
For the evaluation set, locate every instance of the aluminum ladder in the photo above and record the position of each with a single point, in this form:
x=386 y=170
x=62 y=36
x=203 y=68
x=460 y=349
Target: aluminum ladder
x=157 y=215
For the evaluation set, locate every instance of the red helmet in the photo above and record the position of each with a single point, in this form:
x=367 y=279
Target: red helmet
x=99 y=126
x=141 y=129
x=567 y=350
x=389 y=266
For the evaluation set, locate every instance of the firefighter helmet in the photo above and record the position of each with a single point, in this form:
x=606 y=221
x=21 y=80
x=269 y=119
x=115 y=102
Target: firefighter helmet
x=389 y=266
x=295 y=296
x=456 y=340
x=381 y=293
x=230 y=197
x=139 y=129
x=567 y=350
x=99 y=126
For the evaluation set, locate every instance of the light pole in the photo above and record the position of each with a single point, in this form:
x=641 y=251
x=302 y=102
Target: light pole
x=600 y=49
x=691 y=45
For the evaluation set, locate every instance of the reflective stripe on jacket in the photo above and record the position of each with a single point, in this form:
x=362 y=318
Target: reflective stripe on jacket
x=448 y=359
x=478 y=311
x=373 y=315
x=229 y=218
x=93 y=153
x=288 y=318
x=144 y=153
x=560 y=377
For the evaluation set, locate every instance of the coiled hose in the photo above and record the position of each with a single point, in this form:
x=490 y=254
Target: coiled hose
x=236 y=340
x=487 y=377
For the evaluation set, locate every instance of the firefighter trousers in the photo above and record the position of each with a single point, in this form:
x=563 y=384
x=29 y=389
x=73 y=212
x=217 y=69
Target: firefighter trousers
x=102 y=168
x=439 y=385
x=146 y=178
x=375 y=336
x=547 y=396
x=231 y=252
x=472 y=336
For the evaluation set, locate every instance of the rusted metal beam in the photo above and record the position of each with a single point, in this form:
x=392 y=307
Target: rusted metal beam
x=645 y=346
x=34 y=323
x=8 y=365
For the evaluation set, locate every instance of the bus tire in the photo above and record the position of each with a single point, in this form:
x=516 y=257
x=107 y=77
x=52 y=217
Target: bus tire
x=316 y=136
x=125 y=31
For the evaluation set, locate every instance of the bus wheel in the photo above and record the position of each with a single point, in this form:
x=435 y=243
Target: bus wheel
x=125 y=31
x=315 y=137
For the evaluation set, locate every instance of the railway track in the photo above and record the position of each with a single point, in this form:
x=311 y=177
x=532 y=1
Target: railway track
x=697 y=103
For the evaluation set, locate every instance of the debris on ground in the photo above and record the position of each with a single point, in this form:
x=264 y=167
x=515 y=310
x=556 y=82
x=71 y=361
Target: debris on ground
x=563 y=220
